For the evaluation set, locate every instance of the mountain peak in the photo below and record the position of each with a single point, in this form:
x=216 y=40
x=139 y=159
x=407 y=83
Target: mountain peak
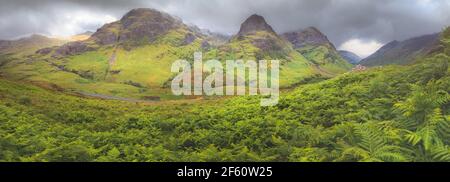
x=308 y=36
x=136 y=25
x=313 y=30
x=254 y=23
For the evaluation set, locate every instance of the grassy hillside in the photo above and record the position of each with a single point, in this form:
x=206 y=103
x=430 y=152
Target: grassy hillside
x=397 y=113
x=294 y=67
x=118 y=71
x=318 y=50
x=403 y=52
x=131 y=58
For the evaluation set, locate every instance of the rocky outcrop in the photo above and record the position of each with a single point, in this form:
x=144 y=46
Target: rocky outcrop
x=146 y=23
x=72 y=48
x=137 y=25
x=309 y=36
x=253 y=24
x=108 y=34
x=316 y=47
x=188 y=38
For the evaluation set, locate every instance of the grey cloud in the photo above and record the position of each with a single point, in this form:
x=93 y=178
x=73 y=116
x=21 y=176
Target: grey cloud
x=341 y=20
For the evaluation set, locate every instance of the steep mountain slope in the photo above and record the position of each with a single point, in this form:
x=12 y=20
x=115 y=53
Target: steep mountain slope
x=316 y=47
x=402 y=52
x=351 y=57
x=256 y=40
x=132 y=57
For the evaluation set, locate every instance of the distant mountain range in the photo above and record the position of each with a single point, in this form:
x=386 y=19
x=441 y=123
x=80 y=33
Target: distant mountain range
x=402 y=52
x=28 y=45
x=350 y=56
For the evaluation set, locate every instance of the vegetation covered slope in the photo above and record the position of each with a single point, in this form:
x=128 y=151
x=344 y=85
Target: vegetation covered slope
x=402 y=52
x=128 y=58
x=256 y=40
x=397 y=113
x=317 y=49
x=351 y=57
x=132 y=57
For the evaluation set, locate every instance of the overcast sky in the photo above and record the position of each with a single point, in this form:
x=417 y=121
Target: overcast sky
x=360 y=26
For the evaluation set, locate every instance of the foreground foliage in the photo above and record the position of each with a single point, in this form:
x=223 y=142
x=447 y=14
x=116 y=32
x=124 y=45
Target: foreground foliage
x=396 y=113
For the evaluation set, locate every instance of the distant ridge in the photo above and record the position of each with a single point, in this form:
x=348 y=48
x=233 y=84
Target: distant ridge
x=351 y=57
x=402 y=52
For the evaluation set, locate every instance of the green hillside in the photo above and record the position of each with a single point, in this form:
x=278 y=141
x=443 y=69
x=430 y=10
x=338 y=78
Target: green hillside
x=403 y=52
x=131 y=58
x=394 y=113
x=318 y=50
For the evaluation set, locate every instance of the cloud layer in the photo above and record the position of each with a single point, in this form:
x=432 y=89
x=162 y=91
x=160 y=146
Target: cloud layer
x=342 y=20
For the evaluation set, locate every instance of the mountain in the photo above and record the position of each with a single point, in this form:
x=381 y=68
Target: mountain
x=213 y=38
x=310 y=36
x=28 y=45
x=132 y=57
x=402 y=52
x=351 y=57
x=256 y=40
x=138 y=27
x=316 y=47
x=253 y=24
x=260 y=39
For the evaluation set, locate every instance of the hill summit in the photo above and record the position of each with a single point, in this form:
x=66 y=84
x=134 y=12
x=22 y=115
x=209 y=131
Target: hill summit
x=308 y=36
x=315 y=46
x=253 y=24
x=136 y=25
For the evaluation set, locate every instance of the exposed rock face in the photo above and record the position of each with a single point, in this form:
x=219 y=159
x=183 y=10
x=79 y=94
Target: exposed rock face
x=71 y=48
x=136 y=25
x=108 y=34
x=254 y=23
x=44 y=51
x=205 y=45
x=258 y=33
x=188 y=38
x=268 y=44
x=316 y=47
x=308 y=36
x=350 y=57
x=149 y=23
